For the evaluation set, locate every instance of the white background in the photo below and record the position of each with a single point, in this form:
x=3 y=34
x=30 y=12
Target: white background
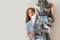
x=12 y=19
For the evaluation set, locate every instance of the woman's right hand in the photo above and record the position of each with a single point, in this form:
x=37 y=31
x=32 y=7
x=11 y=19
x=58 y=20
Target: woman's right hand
x=32 y=35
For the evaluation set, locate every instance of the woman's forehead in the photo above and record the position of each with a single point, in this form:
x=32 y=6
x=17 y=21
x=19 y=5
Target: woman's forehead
x=30 y=10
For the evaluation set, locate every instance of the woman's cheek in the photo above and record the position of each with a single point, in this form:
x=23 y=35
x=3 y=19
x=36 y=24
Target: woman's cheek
x=32 y=13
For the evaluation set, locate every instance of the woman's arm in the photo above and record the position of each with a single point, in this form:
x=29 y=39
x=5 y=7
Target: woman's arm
x=52 y=12
x=28 y=33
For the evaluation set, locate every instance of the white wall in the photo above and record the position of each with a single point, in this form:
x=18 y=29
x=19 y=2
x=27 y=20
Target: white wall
x=12 y=19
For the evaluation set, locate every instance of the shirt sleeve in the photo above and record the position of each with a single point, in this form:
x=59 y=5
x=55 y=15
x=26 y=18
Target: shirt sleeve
x=27 y=27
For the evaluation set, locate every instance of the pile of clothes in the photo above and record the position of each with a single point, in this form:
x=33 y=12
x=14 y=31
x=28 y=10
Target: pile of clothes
x=43 y=19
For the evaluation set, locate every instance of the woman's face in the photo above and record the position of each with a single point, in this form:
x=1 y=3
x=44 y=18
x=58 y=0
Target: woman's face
x=30 y=13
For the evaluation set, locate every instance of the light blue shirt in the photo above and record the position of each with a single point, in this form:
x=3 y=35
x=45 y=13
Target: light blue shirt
x=29 y=26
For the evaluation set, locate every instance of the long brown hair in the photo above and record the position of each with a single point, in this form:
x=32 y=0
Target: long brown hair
x=27 y=16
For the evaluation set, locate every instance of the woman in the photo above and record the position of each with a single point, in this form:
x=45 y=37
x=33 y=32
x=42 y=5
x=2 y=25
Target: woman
x=29 y=24
x=29 y=13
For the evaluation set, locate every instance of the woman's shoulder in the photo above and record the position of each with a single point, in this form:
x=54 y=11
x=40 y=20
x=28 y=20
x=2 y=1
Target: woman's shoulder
x=27 y=25
x=29 y=22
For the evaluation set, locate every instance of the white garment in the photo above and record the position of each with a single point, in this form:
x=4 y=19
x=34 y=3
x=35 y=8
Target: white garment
x=34 y=17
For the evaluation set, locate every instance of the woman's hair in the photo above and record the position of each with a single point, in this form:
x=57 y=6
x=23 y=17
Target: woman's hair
x=27 y=16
